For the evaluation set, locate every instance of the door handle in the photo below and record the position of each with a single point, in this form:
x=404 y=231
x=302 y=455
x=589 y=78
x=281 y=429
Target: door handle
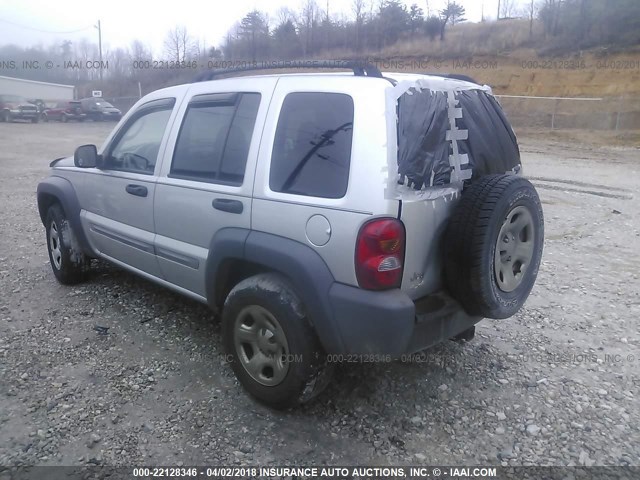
x=137 y=190
x=228 y=205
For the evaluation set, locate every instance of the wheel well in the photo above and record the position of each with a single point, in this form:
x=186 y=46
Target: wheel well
x=45 y=201
x=231 y=272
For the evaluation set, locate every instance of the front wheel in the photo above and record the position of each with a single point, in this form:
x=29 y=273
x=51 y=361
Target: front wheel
x=273 y=349
x=69 y=264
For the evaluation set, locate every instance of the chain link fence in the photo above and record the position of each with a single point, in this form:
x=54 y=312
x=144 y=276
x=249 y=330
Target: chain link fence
x=609 y=113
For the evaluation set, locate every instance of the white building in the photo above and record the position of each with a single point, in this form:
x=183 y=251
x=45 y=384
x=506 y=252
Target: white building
x=33 y=90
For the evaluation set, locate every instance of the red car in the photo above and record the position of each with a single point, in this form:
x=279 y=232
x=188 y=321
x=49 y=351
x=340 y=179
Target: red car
x=64 y=111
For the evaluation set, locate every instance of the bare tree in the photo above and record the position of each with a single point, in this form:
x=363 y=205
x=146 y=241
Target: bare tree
x=308 y=23
x=507 y=8
x=532 y=12
x=138 y=51
x=284 y=15
x=358 y=7
x=178 y=44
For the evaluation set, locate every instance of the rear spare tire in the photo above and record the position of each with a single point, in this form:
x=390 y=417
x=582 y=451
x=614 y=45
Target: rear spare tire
x=493 y=245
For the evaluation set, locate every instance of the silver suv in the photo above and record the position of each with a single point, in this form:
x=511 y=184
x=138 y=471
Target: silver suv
x=324 y=216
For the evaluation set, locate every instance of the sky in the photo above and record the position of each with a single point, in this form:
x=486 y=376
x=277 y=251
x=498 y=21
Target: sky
x=40 y=22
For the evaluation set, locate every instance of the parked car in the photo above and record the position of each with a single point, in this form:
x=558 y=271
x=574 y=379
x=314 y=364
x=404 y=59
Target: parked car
x=14 y=107
x=326 y=217
x=99 y=110
x=64 y=111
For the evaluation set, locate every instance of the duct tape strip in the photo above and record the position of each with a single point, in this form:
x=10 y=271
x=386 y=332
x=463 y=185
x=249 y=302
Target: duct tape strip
x=456 y=160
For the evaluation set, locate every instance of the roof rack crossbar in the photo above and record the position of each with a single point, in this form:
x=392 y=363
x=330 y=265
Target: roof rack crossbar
x=360 y=69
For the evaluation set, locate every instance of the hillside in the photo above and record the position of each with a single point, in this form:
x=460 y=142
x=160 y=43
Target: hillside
x=524 y=72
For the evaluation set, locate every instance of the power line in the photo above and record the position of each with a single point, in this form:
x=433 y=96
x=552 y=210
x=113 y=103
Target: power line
x=44 y=31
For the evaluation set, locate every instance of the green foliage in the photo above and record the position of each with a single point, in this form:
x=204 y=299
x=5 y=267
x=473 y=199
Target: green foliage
x=453 y=13
x=394 y=20
x=285 y=41
x=432 y=27
x=416 y=19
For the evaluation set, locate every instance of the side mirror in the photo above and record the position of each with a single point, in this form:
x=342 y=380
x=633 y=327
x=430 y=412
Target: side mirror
x=86 y=156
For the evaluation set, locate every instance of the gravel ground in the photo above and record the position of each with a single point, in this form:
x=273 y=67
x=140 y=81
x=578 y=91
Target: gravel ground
x=558 y=384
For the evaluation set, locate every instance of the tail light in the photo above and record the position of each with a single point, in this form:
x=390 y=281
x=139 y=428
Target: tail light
x=380 y=254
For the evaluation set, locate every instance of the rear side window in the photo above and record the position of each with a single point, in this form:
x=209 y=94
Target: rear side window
x=312 y=148
x=215 y=137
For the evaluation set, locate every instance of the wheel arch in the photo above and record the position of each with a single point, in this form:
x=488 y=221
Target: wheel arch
x=59 y=190
x=236 y=254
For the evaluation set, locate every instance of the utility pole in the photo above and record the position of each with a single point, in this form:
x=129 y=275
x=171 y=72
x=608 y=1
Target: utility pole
x=498 y=17
x=100 y=46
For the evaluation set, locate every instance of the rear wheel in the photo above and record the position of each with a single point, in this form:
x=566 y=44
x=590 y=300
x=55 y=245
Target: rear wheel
x=274 y=351
x=69 y=265
x=493 y=245
x=6 y=116
x=64 y=118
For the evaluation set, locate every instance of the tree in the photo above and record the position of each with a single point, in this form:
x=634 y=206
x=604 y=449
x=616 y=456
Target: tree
x=286 y=42
x=549 y=14
x=254 y=34
x=214 y=53
x=308 y=23
x=358 y=7
x=394 y=19
x=432 y=27
x=178 y=44
x=507 y=9
x=416 y=18
x=138 y=51
x=453 y=13
x=66 y=48
x=531 y=10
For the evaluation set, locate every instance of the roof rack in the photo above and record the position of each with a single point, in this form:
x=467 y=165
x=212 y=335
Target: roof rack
x=360 y=69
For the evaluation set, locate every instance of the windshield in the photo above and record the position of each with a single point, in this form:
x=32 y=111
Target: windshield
x=104 y=104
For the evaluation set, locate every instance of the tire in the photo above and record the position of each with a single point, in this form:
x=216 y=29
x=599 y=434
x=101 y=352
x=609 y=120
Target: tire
x=6 y=116
x=69 y=266
x=64 y=118
x=45 y=118
x=487 y=269
x=263 y=319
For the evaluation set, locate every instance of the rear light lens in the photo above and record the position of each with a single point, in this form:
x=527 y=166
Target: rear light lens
x=380 y=254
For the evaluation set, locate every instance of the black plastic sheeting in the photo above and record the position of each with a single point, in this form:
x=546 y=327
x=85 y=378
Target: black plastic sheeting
x=423 y=150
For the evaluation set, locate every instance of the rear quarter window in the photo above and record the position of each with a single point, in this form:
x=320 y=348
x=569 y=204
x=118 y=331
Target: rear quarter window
x=312 y=148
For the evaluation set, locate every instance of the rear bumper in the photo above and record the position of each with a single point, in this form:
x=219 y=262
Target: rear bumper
x=390 y=322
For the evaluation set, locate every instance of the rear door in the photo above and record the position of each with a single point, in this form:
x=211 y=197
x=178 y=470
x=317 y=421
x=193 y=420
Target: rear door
x=207 y=180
